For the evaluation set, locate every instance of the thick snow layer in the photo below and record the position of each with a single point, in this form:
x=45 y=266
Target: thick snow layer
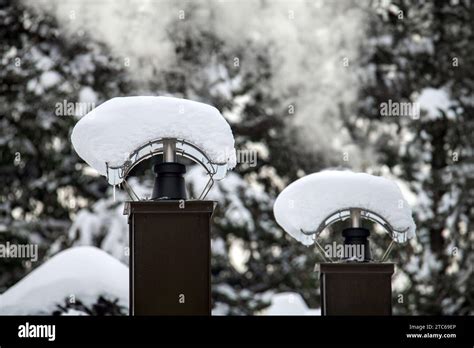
x=113 y=130
x=289 y=303
x=82 y=272
x=307 y=202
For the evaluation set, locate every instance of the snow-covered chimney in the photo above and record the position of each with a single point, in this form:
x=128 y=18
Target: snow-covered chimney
x=169 y=234
x=315 y=202
x=123 y=132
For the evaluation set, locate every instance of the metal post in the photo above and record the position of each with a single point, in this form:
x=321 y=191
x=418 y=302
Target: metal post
x=355 y=218
x=169 y=150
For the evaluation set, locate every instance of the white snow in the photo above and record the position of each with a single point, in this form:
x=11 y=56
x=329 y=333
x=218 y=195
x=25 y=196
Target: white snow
x=226 y=193
x=87 y=95
x=218 y=247
x=220 y=309
x=289 y=303
x=82 y=272
x=103 y=221
x=49 y=79
x=433 y=101
x=73 y=312
x=113 y=130
x=226 y=290
x=307 y=202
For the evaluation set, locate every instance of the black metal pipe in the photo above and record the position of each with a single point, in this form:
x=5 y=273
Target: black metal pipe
x=169 y=181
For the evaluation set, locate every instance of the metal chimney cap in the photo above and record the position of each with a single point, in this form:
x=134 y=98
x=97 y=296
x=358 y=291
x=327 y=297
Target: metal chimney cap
x=120 y=133
x=311 y=204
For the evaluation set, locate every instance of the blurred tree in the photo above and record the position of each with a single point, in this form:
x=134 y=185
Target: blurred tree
x=43 y=181
x=418 y=47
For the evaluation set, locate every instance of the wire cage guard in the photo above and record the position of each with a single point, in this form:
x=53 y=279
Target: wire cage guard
x=117 y=175
x=397 y=236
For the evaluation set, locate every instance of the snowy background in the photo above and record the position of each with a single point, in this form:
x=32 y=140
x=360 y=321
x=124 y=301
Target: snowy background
x=302 y=83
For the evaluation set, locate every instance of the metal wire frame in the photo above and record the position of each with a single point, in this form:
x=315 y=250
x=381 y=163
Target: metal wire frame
x=118 y=174
x=399 y=236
